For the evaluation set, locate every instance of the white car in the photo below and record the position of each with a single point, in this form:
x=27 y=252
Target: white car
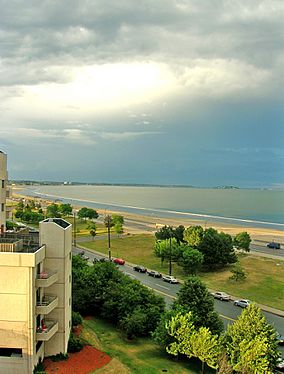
x=243 y=303
x=169 y=278
x=221 y=296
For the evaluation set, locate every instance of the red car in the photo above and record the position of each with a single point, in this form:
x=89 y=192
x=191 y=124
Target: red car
x=119 y=261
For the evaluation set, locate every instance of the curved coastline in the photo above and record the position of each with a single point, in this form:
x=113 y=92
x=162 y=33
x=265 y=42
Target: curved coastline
x=159 y=213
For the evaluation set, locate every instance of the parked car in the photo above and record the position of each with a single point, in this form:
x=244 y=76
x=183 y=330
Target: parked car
x=119 y=261
x=280 y=339
x=154 y=273
x=243 y=303
x=95 y=260
x=221 y=296
x=140 y=269
x=273 y=245
x=105 y=259
x=280 y=365
x=83 y=256
x=169 y=279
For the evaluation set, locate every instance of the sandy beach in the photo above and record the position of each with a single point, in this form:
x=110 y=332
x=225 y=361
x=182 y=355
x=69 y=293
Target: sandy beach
x=138 y=223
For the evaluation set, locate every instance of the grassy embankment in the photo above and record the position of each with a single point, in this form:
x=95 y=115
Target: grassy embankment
x=139 y=356
x=265 y=277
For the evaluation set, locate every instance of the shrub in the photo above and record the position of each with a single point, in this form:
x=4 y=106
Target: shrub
x=59 y=357
x=74 y=344
x=76 y=319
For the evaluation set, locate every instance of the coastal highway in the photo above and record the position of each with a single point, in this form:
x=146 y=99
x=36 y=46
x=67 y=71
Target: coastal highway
x=227 y=310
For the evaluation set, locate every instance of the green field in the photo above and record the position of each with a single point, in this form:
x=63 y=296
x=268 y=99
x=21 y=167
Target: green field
x=265 y=277
x=140 y=356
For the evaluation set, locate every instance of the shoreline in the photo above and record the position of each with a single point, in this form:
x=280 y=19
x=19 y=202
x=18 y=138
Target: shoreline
x=148 y=223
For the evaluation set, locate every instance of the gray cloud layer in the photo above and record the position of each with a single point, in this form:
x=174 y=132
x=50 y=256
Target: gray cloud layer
x=224 y=53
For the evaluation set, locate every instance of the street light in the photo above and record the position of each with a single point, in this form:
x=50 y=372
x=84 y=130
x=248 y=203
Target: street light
x=108 y=223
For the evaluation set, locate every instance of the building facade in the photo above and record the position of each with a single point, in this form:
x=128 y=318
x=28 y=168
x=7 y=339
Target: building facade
x=3 y=188
x=35 y=293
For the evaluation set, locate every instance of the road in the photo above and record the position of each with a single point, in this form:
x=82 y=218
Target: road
x=227 y=310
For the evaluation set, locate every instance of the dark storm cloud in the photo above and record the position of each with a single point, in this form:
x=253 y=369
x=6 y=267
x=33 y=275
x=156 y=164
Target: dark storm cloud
x=52 y=33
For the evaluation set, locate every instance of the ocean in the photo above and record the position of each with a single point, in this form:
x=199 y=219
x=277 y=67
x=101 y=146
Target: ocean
x=246 y=207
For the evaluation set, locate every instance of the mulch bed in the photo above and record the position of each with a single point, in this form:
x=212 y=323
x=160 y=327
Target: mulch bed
x=83 y=362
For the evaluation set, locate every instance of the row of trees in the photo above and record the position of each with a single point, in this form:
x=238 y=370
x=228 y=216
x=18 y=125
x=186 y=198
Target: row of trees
x=194 y=247
x=101 y=289
x=192 y=328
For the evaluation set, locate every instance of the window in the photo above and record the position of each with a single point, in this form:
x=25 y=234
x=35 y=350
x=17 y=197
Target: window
x=2 y=207
x=11 y=352
x=70 y=278
x=3 y=183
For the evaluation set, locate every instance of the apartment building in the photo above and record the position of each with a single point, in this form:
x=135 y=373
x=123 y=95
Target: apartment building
x=3 y=187
x=35 y=293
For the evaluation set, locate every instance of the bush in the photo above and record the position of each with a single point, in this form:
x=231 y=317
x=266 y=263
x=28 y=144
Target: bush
x=74 y=344
x=76 y=319
x=59 y=357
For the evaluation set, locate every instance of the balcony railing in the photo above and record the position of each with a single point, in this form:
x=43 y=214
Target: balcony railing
x=44 y=334
x=47 y=304
x=46 y=278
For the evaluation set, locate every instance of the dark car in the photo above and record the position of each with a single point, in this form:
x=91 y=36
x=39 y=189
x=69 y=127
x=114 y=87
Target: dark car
x=140 y=269
x=273 y=245
x=280 y=339
x=105 y=259
x=83 y=256
x=154 y=273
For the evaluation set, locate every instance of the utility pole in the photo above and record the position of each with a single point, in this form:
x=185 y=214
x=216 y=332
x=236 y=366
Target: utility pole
x=74 y=224
x=170 y=262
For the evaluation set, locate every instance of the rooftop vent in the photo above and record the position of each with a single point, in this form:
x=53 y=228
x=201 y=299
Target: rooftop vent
x=60 y=222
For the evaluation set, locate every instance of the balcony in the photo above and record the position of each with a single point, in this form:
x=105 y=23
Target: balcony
x=48 y=332
x=46 y=278
x=47 y=304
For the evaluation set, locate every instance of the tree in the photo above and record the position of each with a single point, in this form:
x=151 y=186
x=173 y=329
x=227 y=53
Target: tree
x=118 y=228
x=238 y=273
x=193 y=296
x=178 y=234
x=108 y=224
x=93 y=232
x=217 y=248
x=117 y=219
x=87 y=213
x=242 y=241
x=192 y=342
x=166 y=232
x=191 y=260
x=52 y=211
x=251 y=343
x=65 y=209
x=193 y=236
x=20 y=205
x=133 y=323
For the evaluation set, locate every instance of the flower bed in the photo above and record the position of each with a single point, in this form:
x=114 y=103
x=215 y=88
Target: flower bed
x=83 y=362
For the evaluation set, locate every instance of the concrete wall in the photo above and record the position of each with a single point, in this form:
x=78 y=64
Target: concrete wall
x=58 y=242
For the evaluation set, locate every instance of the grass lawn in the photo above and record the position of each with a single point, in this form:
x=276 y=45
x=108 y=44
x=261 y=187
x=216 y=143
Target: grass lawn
x=82 y=227
x=265 y=277
x=139 y=356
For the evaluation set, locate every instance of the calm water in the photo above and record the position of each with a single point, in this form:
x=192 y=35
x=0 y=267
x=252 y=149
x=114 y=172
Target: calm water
x=235 y=206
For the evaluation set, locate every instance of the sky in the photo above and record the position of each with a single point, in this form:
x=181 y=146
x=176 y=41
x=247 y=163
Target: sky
x=150 y=91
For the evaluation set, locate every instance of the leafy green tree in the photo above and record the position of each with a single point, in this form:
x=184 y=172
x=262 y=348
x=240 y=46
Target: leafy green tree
x=32 y=204
x=133 y=323
x=118 y=228
x=191 y=260
x=193 y=296
x=238 y=273
x=93 y=232
x=192 y=342
x=117 y=219
x=20 y=205
x=178 y=234
x=65 y=209
x=87 y=213
x=251 y=343
x=242 y=241
x=52 y=211
x=217 y=248
x=164 y=233
x=76 y=319
x=193 y=236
